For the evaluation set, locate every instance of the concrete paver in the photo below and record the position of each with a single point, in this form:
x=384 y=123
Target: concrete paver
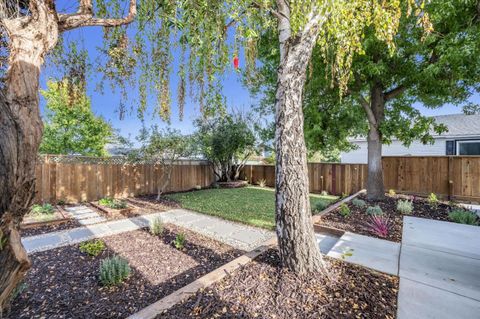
x=442 y=236
x=439 y=270
x=377 y=254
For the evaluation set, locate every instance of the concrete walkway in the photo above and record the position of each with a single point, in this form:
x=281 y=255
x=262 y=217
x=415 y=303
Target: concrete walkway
x=439 y=270
x=237 y=235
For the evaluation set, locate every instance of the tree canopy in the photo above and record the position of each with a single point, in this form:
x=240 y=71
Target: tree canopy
x=70 y=126
x=432 y=69
x=227 y=142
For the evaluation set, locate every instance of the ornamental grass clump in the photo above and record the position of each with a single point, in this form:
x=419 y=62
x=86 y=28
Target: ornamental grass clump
x=374 y=210
x=114 y=270
x=463 y=216
x=405 y=207
x=157 y=227
x=360 y=203
x=379 y=225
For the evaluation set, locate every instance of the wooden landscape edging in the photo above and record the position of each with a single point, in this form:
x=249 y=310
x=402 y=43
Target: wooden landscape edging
x=212 y=277
x=317 y=217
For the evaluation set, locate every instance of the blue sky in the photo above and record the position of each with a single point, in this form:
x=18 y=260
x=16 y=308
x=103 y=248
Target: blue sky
x=106 y=104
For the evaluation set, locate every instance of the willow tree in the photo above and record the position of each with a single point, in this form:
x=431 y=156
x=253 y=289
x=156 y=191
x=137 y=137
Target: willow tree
x=202 y=30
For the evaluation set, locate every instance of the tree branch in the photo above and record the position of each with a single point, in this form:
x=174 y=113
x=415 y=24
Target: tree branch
x=368 y=110
x=84 y=17
x=394 y=92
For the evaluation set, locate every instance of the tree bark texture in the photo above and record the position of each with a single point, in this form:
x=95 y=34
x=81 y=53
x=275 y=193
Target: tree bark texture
x=20 y=136
x=30 y=38
x=298 y=248
x=375 y=185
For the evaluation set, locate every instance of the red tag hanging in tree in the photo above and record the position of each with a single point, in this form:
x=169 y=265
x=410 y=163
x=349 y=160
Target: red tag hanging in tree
x=235 y=62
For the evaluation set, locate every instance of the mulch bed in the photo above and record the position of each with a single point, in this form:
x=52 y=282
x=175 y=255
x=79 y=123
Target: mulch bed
x=358 y=219
x=262 y=289
x=43 y=229
x=63 y=282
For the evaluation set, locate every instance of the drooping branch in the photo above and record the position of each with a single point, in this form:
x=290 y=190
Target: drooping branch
x=85 y=18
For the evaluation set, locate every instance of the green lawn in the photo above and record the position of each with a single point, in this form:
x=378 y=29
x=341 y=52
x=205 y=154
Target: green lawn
x=249 y=205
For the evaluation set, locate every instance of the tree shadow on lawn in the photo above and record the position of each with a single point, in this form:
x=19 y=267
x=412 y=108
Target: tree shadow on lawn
x=64 y=283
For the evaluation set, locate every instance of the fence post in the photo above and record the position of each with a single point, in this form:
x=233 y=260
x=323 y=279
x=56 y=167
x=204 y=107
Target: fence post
x=450 y=180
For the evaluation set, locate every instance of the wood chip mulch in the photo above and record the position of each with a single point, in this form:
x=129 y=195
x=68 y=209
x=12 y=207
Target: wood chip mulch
x=357 y=221
x=262 y=289
x=63 y=282
x=48 y=228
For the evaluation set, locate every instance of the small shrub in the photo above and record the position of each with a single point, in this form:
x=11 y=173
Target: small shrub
x=344 y=210
x=344 y=195
x=112 y=203
x=262 y=183
x=462 y=216
x=405 y=207
x=179 y=241
x=391 y=192
x=374 y=210
x=92 y=247
x=61 y=202
x=324 y=193
x=359 y=203
x=113 y=271
x=432 y=200
x=379 y=225
x=45 y=209
x=321 y=205
x=156 y=227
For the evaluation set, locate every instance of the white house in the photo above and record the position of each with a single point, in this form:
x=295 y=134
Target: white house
x=462 y=138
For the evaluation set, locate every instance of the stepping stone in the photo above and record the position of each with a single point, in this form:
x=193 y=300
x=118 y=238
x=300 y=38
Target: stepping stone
x=378 y=254
x=419 y=301
x=87 y=215
x=91 y=221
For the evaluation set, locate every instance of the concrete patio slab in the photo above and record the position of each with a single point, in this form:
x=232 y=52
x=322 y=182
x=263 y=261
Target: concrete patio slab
x=377 y=254
x=442 y=236
x=326 y=242
x=420 y=301
x=454 y=273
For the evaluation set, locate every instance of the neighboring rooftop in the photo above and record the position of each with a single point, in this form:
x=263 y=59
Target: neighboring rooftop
x=459 y=125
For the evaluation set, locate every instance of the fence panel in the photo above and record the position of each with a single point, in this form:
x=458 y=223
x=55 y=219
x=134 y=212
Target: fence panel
x=455 y=177
x=64 y=179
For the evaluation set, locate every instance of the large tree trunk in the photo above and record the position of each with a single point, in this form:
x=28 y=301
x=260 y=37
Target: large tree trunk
x=298 y=247
x=20 y=136
x=375 y=186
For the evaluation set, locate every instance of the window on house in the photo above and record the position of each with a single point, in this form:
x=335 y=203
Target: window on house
x=468 y=147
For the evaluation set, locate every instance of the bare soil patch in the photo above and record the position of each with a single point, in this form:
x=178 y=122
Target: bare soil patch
x=262 y=289
x=358 y=219
x=64 y=283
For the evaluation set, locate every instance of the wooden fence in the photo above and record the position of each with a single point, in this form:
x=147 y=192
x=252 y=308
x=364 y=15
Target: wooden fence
x=334 y=178
x=455 y=177
x=77 y=182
